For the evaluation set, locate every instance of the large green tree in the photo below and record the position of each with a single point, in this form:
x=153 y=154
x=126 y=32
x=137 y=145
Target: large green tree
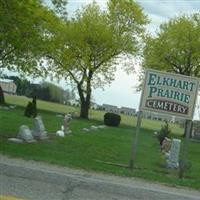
x=176 y=46
x=24 y=27
x=86 y=49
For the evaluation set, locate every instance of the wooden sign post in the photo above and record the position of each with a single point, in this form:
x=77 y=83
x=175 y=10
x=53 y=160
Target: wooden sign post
x=135 y=141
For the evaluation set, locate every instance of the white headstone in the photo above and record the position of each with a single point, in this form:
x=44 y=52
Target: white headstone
x=25 y=134
x=39 y=131
x=94 y=127
x=60 y=133
x=173 y=160
x=15 y=140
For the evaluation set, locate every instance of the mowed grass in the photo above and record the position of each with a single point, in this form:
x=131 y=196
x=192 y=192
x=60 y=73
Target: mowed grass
x=90 y=150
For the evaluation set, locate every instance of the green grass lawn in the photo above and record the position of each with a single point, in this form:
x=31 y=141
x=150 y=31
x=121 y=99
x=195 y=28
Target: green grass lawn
x=85 y=150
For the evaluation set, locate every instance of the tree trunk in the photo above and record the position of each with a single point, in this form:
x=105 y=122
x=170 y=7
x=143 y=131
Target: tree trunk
x=2 y=99
x=84 y=110
x=85 y=100
x=85 y=103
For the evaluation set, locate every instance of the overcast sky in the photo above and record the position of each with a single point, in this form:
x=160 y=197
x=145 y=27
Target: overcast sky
x=121 y=92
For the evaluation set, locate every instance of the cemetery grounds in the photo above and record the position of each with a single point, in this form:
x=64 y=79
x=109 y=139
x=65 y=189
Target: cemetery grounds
x=96 y=150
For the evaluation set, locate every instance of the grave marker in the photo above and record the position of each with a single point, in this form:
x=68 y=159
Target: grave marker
x=66 y=121
x=39 y=131
x=25 y=134
x=173 y=160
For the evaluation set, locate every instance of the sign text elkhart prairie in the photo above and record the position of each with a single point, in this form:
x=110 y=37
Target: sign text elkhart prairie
x=169 y=93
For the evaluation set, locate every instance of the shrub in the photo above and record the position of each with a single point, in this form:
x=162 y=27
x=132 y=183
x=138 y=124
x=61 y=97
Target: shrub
x=164 y=132
x=28 y=110
x=31 y=109
x=34 y=107
x=112 y=119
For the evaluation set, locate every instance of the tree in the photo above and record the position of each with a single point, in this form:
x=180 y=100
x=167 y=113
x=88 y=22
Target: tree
x=176 y=46
x=87 y=47
x=24 y=27
x=20 y=32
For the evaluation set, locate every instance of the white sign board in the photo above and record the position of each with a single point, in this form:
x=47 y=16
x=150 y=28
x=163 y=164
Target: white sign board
x=169 y=93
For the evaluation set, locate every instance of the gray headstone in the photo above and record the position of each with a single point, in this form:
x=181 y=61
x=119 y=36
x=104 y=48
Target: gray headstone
x=59 y=115
x=25 y=134
x=196 y=136
x=12 y=106
x=39 y=131
x=86 y=129
x=6 y=108
x=101 y=126
x=173 y=160
x=66 y=122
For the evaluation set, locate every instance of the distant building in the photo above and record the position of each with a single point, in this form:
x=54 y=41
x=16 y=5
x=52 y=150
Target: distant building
x=74 y=102
x=94 y=106
x=8 y=86
x=161 y=117
x=127 y=111
x=122 y=110
x=110 y=108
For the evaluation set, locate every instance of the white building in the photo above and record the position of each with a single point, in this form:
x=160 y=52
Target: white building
x=110 y=108
x=128 y=111
x=8 y=86
x=94 y=105
x=160 y=117
x=122 y=110
x=74 y=102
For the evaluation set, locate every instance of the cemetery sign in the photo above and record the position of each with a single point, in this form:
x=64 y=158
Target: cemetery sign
x=169 y=93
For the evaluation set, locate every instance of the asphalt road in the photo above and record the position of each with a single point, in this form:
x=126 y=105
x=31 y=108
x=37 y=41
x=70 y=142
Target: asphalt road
x=39 y=181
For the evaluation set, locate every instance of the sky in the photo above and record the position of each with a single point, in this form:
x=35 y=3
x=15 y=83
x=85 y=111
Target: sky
x=122 y=91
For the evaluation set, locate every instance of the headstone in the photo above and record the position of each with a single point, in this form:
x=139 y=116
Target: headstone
x=59 y=115
x=66 y=121
x=39 y=131
x=196 y=136
x=196 y=130
x=94 y=127
x=25 y=134
x=173 y=160
x=101 y=126
x=86 y=129
x=15 y=140
x=60 y=133
x=12 y=106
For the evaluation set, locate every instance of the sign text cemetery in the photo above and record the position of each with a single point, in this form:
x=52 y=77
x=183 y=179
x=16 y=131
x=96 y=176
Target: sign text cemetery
x=169 y=93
